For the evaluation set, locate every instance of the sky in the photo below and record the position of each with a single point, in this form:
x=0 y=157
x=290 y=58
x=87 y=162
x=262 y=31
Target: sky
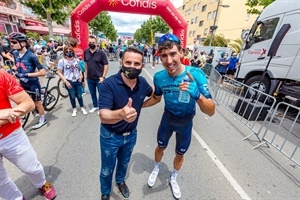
x=129 y=23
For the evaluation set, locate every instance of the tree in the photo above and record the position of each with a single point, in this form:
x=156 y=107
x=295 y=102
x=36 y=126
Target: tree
x=236 y=45
x=254 y=3
x=51 y=10
x=103 y=23
x=218 y=40
x=158 y=25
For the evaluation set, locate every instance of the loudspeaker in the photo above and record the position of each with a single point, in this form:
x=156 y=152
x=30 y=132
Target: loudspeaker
x=244 y=107
x=278 y=38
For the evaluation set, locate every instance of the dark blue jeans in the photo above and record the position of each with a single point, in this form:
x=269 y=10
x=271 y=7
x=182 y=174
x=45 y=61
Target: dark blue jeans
x=75 y=91
x=94 y=84
x=114 y=147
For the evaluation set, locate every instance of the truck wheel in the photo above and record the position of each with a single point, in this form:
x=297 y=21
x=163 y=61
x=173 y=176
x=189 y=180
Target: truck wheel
x=253 y=82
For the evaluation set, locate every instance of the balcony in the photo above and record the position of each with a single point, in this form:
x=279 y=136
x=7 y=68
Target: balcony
x=10 y=7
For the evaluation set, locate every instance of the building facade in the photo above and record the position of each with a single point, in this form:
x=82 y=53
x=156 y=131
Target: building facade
x=230 y=17
x=15 y=17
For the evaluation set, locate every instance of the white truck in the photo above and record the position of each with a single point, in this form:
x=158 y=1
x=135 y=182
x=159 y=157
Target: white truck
x=282 y=79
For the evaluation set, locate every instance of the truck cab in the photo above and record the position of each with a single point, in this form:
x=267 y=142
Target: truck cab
x=283 y=75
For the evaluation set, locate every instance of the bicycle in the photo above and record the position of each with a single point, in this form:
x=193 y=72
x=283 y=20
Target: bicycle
x=62 y=88
x=49 y=98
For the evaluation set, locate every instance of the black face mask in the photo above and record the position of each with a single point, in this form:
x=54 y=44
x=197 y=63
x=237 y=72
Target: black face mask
x=131 y=72
x=69 y=54
x=92 y=46
x=195 y=57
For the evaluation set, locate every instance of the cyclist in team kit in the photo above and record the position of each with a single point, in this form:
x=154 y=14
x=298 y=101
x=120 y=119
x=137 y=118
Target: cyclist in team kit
x=28 y=69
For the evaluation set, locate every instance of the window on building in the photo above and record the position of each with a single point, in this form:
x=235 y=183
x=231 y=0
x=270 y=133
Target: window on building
x=192 y=21
x=209 y=16
x=198 y=5
x=198 y=37
x=204 y=8
x=189 y=11
x=201 y=23
x=183 y=7
x=196 y=20
x=214 y=15
x=194 y=33
x=190 y=33
x=206 y=31
x=195 y=7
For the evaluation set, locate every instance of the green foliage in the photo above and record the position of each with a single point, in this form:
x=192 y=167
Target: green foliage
x=218 y=40
x=159 y=25
x=252 y=4
x=236 y=45
x=130 y=42
x=59 y=10
x=34 y=35
x=2 y=34
x=103 y=23
x=144 y=33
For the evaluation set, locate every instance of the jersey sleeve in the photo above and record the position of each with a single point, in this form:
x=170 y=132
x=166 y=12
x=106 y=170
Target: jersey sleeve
x=157 y=89
x=200 y=78
x=9 y=84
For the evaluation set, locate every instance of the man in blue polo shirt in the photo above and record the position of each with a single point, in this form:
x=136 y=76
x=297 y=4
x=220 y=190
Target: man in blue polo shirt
x=119 y=118
x=96 y=67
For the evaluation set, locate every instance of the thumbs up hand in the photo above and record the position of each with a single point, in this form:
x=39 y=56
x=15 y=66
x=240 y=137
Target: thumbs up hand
x=128 y=113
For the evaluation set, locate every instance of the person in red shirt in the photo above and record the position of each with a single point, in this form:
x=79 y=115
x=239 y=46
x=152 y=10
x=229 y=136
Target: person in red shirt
x=14 y=143
x=183 y=59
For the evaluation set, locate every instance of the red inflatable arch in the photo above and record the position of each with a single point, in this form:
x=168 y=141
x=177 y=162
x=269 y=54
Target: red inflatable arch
x=87 y=10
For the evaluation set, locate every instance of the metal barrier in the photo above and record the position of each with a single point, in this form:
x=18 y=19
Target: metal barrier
x=247 y=104
x=282 y=131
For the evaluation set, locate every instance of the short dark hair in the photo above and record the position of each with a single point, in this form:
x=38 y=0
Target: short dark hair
x=168 y=45
x=134 y=50
x=93 y=37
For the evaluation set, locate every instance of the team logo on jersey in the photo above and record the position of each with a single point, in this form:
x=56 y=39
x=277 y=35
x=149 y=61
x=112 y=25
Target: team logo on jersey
x=21 y=65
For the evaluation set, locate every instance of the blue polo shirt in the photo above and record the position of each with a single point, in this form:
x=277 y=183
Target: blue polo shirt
x=114 y=94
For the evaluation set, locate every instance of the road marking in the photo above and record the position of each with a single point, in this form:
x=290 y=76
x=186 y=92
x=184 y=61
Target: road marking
x=221 y=167
x=236 y=186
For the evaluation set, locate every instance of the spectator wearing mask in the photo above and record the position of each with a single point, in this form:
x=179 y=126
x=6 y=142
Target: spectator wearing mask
x=233 y=64
x=208 y=63
x=38 y=47
x=5 y=51
x=202 y=57
x=196 y=62
x=223 y=63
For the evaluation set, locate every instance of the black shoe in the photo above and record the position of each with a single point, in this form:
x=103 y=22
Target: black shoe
x=123 y=189
x=104 y=197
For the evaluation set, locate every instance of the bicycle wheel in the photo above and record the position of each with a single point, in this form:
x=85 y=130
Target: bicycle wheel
x=24 y=119
x=51 y=99
x=62 y=89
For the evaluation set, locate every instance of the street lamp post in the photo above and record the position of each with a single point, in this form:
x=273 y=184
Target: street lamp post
x=214 y=27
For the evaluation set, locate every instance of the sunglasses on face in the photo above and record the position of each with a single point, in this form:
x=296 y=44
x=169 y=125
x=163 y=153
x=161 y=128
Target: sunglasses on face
x=13 y=42
x=169 y=37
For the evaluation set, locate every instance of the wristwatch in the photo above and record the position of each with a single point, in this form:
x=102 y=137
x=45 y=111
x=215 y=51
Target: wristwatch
x=102 y=77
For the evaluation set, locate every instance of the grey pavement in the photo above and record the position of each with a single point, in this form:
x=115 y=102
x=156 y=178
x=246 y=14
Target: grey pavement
x=218 y=165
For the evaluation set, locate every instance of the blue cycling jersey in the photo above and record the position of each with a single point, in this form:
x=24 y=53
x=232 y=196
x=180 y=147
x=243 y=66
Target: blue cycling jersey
x=168 y=86
x=29 y=63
